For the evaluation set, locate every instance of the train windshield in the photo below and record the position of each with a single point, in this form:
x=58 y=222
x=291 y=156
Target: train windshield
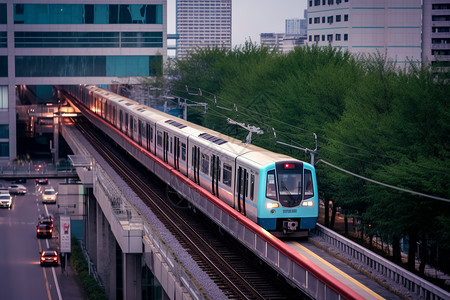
x=286 y=184
x=290 y=188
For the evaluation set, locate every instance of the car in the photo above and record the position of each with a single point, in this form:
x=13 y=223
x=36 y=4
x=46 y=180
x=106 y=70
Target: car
x=49 y=196
x=49 y=257
x=41 y=181
x=5 y=199
x=44 y=230
x=46 y=219
x=17 y=189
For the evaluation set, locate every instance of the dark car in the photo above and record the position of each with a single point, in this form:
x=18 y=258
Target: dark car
x=49 y=257
x=44 y=230
x=41 y=181
x=47 y=219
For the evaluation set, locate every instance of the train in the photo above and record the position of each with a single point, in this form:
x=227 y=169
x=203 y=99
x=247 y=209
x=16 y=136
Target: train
x=276 y=191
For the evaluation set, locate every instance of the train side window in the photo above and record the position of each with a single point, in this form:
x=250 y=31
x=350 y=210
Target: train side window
x=171 y=145
x=126 y=122
x=252 y=186
x=309 y=190
x=131 y=124
x=151 y=134
x=183 y=151
x=205 y=164
x=159 y=138
x=271 y=192
x=246 y=185
x=227 y=174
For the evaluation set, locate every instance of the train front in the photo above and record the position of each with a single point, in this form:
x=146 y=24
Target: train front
x=291 y=203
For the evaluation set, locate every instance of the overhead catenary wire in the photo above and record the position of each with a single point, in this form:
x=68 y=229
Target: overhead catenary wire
x=383 y=184
x=252 y=116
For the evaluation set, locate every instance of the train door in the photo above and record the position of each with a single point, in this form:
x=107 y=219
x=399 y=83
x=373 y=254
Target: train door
x=196 y=163
x=165 y=147
x=149 y=135
x=242 y=188
x=215 y=175
x=176 y=153
x=120 y=119
x=140 y=132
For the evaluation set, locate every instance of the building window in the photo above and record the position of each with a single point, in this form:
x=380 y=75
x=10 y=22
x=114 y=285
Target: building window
x=338 y=18
x=3 y=19
x=330 y=38
x=330 y=19
x=88 y=14
x=316 y=38
x=316 y=2
x=323 y=37
x=23 y=39
x=330 y=2
x=3 y=97
x=338 y=36
x=316 y=20
x=86 y=66
x=323 y=19
x=345 y=36
x=4 y=149
x=4 y=131
x=345 y=18
x=310 y=20
x=3 y=39
x=3 y=66
x=310 y=38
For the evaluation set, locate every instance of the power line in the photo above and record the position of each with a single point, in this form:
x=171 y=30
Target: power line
x=383 y=184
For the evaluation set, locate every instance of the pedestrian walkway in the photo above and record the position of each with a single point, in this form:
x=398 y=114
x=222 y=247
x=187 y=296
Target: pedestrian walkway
x=69 y=284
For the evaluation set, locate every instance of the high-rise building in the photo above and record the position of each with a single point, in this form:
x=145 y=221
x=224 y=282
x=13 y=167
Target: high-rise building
x=391 y=27
x=202 y=23
x=296 y=27
x=436 y=32
x=54 y=42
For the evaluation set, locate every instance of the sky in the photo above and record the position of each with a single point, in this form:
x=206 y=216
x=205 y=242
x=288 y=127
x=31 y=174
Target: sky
x=252 y=17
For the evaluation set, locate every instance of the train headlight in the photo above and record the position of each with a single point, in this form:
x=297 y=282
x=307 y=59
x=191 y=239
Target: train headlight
x=271 y=205
x=308 y=203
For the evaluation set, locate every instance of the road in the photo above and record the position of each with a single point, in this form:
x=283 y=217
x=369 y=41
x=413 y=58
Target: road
x=21 y=275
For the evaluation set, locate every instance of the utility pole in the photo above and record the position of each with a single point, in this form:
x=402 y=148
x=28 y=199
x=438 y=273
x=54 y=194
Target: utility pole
x=249 y=128
x=313 y=153
x=183 y=103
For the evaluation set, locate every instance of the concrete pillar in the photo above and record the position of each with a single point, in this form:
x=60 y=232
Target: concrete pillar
x=132 y=275
x=91 y=225
x=106 y=254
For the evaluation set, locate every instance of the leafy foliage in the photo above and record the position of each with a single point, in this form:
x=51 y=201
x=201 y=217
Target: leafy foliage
x=371 y=118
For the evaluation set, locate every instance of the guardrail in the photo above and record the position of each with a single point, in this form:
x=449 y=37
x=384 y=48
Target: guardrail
x=30 y=170
x=419 y=288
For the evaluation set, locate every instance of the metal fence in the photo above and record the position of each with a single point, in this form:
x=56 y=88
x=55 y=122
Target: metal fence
x=418 y=287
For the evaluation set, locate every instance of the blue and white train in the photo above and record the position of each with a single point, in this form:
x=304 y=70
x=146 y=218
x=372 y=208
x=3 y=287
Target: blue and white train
x=276 y=191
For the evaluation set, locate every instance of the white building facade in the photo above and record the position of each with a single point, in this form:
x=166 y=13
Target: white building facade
x=391 y=27
x=202 y=23
x=56 y=42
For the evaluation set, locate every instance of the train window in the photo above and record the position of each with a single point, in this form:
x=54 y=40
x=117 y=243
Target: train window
x=131 y=124
x=205 y=164
x=126 y=122
x=271 y=191
x=135 y=125
x=227 y=174
x=246 y=184
x=183 y=151
x=309 y=190
x=252 y=186
x=159 y=138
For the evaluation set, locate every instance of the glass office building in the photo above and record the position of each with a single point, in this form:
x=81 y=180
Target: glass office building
x=55 y=42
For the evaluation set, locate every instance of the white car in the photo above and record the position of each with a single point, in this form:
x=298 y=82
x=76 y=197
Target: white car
x=5 y=200
x=17 y=189
x=49 y=196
